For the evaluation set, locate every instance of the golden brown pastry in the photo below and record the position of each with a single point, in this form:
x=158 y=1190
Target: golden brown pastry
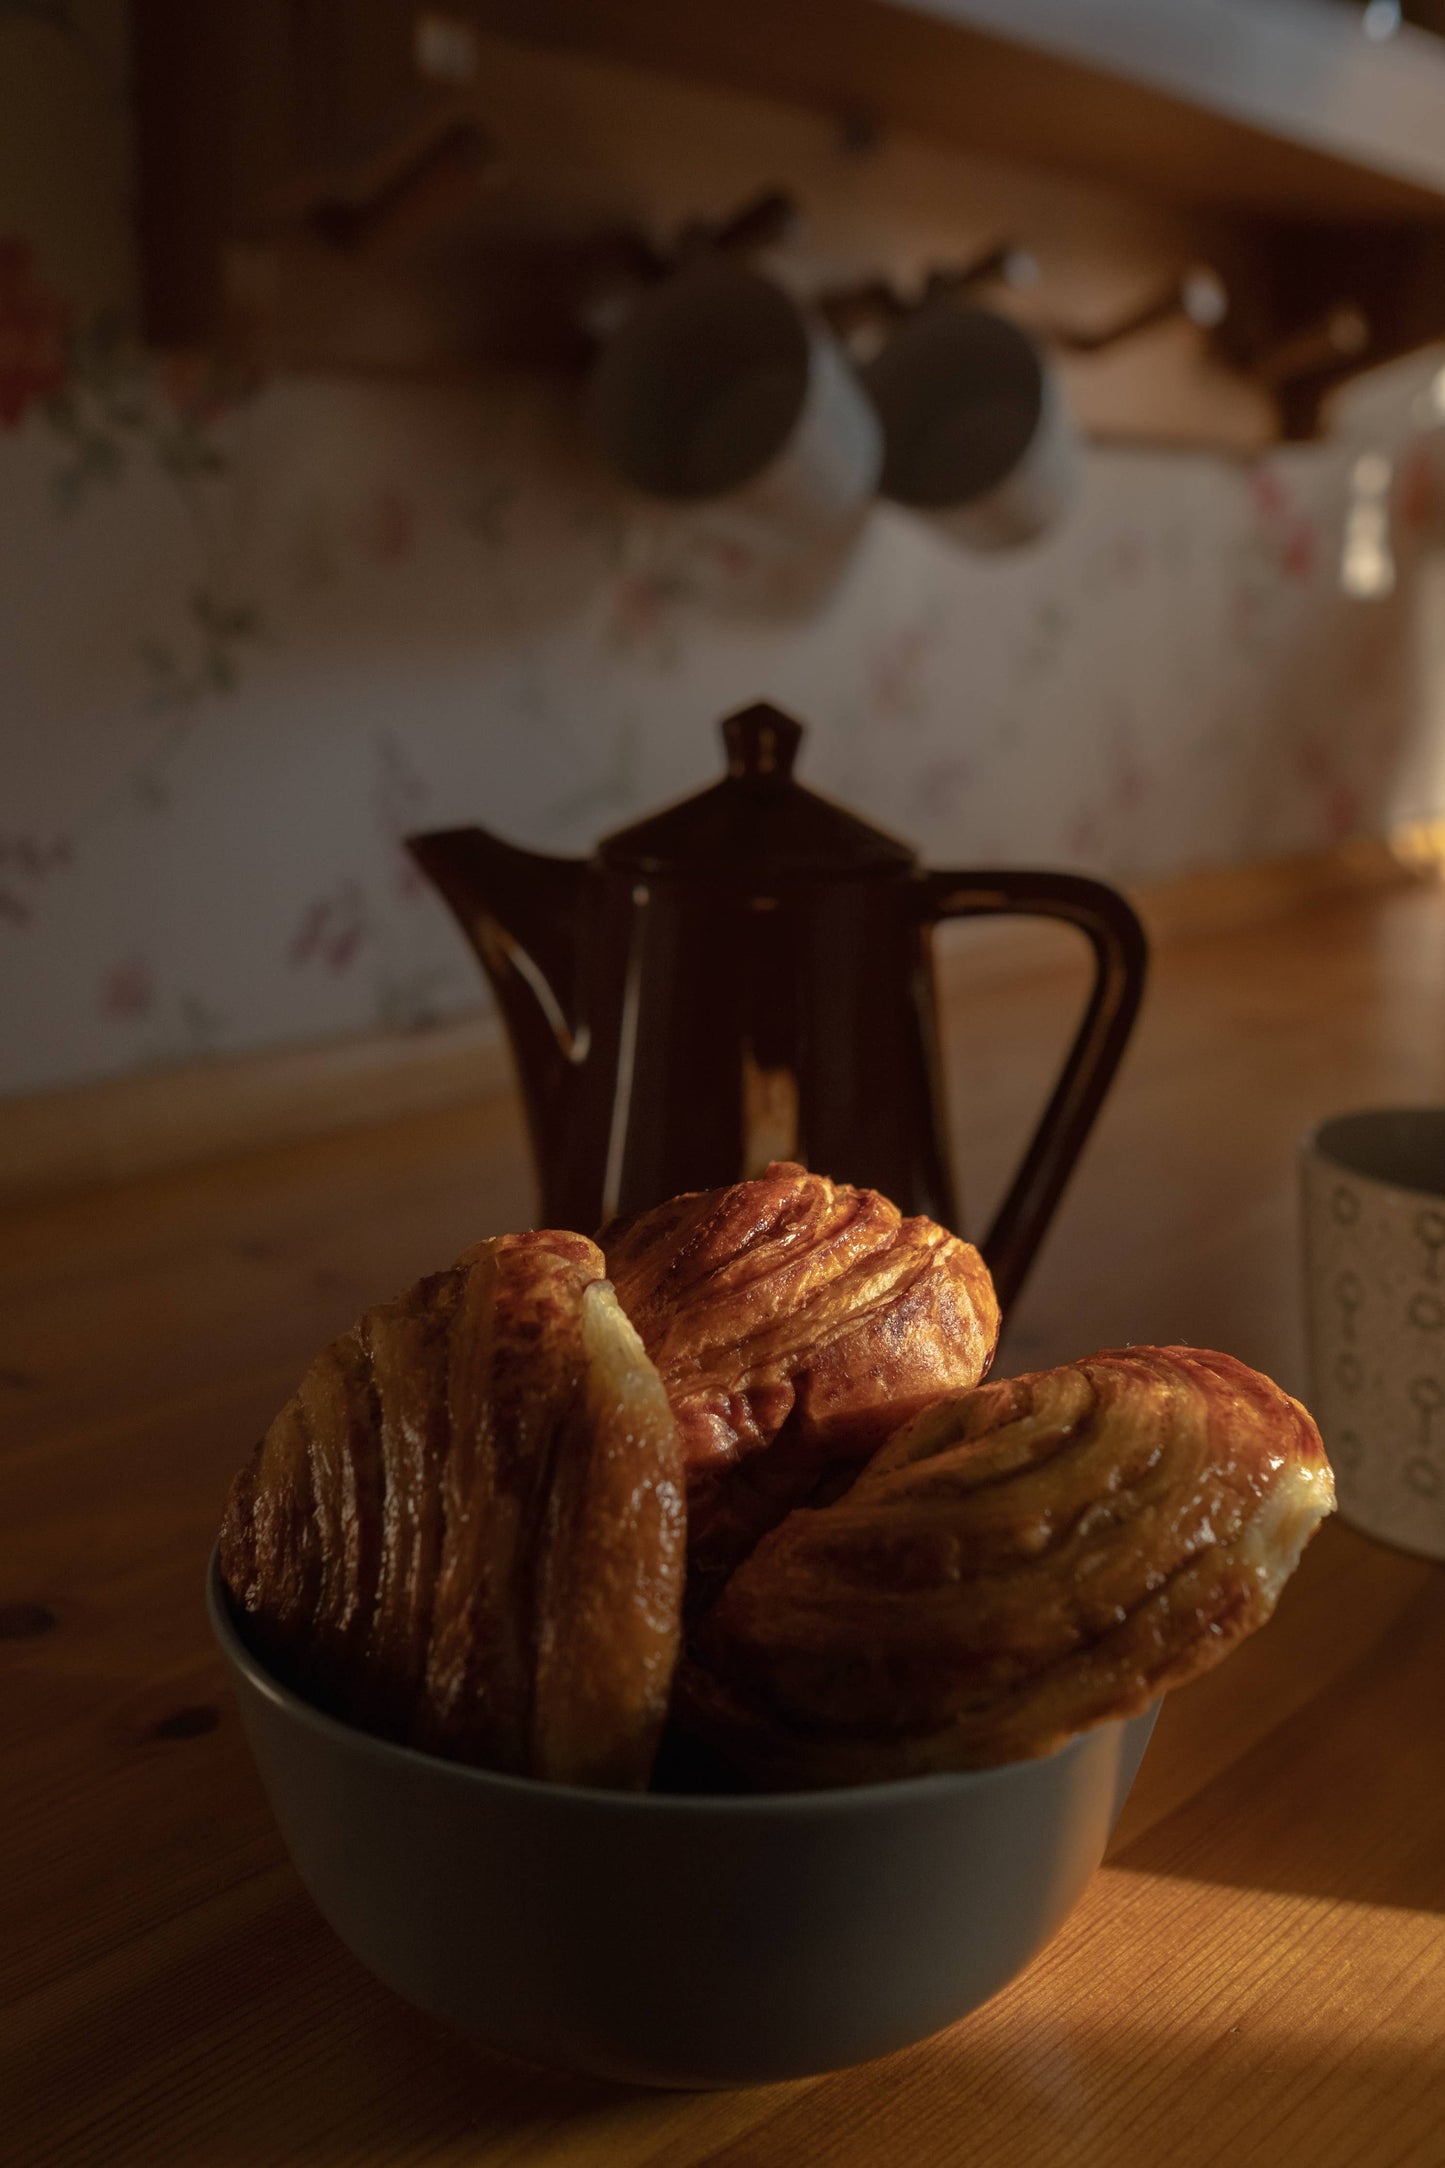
x=1020 y=1562
x=467 y=1529
x=795 y=1322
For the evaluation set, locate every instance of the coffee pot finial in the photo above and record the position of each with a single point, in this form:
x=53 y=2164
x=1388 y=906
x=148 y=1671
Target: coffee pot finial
x=761 y=741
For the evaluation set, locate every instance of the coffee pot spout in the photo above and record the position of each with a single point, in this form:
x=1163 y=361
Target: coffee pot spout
x=521 y=912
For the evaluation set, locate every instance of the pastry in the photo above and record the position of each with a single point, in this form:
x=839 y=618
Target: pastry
x=466 y=1531
x=795 y=1322
x=1020 y=1562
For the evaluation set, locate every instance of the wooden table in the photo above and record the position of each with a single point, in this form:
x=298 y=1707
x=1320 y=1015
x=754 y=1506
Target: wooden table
x=1257 y=1974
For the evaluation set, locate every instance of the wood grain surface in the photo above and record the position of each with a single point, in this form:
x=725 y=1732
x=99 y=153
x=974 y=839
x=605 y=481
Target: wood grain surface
x=1256 y=1975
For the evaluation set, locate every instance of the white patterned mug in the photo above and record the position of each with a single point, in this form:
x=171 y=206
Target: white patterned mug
x=1374 y=1282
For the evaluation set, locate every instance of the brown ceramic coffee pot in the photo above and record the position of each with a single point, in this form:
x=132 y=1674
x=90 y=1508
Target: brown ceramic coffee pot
x=748 y=976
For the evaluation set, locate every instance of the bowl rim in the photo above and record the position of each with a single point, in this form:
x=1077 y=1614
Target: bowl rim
x=831 y=1801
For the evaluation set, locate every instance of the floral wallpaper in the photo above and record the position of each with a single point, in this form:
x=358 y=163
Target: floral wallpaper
x=251 y=634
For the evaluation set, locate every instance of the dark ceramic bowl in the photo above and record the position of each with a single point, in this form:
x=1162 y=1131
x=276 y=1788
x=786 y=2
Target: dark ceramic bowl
x=663 y=1939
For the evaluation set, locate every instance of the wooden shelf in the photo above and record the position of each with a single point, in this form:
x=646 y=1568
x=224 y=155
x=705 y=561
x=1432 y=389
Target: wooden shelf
x=1277 y=108
x=311 y=193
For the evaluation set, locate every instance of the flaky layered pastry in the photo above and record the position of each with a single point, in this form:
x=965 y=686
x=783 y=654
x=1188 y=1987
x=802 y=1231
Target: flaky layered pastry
x=1018 y=1563
x=467 y=1531
x=795 y=1323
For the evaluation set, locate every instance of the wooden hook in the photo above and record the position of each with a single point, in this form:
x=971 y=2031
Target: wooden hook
x=876 y=305
x=1327 y=342
x=769 y=220
x=430 y=178
x=622 y=265
x=1198 y=295
x=872 y=306
x=1005 y=264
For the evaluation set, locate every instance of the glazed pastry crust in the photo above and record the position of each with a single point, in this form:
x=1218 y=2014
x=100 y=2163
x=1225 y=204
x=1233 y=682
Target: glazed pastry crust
x=467 y=1529
x=1020 y=1562
x=795 y=1322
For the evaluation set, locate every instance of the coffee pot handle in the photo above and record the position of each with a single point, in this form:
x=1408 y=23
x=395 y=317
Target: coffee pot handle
x=1120 y=963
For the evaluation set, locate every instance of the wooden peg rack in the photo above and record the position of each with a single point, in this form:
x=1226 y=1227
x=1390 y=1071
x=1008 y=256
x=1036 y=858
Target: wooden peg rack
x=370 y=185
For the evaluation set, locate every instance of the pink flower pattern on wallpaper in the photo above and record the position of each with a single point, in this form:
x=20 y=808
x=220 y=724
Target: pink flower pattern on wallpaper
x=115 y=404
x=401 y=796
x=1286 y=531
x=1341 y=803
x=128 y=990
x=196 y=389
x=897 y=667
x=1344 y=812
x=106 y=402
x=942 y=786
x=641 y=617
x=386 y=525
x=1420 y=497
x=332 y=930
x=27 y=862
x=1129 y=776
x=1084 y=835
x=34 y=333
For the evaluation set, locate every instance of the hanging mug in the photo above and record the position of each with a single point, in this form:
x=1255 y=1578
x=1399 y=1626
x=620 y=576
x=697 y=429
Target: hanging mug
x=721 y=400
x=976 y=433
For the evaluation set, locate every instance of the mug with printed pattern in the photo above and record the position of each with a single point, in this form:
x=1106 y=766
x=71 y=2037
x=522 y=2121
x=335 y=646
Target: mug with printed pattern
x=1373 y=1201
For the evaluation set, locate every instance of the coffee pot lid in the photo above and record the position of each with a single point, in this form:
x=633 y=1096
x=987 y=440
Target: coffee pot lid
x=757 y=822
